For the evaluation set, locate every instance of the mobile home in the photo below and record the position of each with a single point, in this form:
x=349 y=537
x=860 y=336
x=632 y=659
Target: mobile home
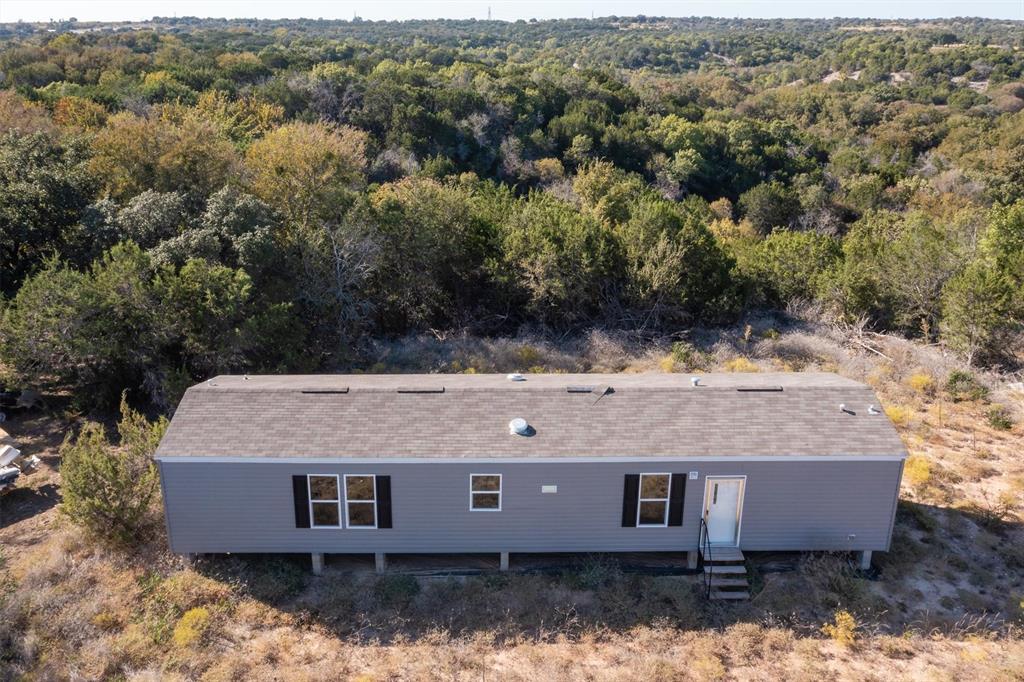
x=530 y=463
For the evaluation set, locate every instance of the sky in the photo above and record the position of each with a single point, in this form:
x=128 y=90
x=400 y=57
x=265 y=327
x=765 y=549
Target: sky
x=507 y=10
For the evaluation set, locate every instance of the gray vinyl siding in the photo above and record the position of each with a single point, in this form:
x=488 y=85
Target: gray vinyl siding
x=214 y=507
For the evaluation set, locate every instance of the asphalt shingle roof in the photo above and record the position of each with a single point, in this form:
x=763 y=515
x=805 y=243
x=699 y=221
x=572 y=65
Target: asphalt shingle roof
x=441 y=415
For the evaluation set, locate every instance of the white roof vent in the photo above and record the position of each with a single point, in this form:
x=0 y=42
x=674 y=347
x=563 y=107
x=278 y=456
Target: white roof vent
x=515 y=376
x=695 y=381
x=873 y=410
x=518 y=427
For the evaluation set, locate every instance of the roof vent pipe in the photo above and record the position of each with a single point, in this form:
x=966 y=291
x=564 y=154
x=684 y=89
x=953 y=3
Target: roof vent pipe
x=873 y=410
x=842 y=407
x=695 y=381
x=515 y=376
x=518 y=427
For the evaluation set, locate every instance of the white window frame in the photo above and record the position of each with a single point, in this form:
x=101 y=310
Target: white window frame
x=348 y=502
x=311 y=501
x=640 y=499
x=472 y=492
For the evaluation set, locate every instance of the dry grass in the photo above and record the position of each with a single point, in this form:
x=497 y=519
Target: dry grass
x=947 y=602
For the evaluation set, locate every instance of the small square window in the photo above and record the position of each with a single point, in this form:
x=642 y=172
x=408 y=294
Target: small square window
x=361 y=514
x=485 y=492
x=359 y=488
x=654 y=486
x=325 y=514
x=324 y=503
x=323 y=488
x=651 y=514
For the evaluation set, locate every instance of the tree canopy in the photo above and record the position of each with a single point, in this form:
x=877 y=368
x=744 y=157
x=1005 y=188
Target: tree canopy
x=201 y=196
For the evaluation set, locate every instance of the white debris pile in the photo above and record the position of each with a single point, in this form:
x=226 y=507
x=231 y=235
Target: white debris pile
x=12 y=462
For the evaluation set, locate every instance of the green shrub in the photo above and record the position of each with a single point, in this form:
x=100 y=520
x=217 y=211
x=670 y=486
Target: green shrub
x=685 y=354
x=917 y=513
x=109 y=490
x=964 y=386
x=7 y=584
x=999 y=418
x=273 y=579
x=396 y=590
x=594 y=572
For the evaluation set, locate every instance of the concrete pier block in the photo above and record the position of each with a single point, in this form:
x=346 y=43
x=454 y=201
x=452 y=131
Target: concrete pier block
x=380 y=560
x=503 y=564
x=318 y=563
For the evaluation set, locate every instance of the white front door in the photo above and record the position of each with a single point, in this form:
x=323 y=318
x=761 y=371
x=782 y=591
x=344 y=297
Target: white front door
x=723 y=508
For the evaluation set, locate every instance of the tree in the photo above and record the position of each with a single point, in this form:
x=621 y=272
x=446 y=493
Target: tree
x=127 y=323
x=433 y=245
x=20 y=116
x=1003 y=241
x=133 y=154
x=236 y=229
x=152 y=217
x=605 y=191
x=44 y=187
x=770 y=205
x=565 y=262
x=109 y=490
x=977 y=315
x=674 y=267
x=307 y=170
x=788 y=265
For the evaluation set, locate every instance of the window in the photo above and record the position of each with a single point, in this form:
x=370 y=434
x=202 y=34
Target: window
x=652 y=509
x=485 y=492
x=324 y=501
x=361 y=501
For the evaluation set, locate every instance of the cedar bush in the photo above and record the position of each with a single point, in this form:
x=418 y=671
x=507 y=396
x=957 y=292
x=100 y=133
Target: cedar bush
x=1000 y=418
x=962 y=385
x=109 y=490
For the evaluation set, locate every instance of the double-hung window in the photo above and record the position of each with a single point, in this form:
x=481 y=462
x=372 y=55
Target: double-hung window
x=485 y=492
x=652 y=509
x=324 y=500
x=361 y=500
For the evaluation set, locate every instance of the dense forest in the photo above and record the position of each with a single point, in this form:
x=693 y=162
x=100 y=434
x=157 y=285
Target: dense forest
x=185 y=197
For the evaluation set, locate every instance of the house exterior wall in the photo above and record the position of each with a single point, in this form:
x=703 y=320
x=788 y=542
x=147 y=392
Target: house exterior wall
x=214 y=507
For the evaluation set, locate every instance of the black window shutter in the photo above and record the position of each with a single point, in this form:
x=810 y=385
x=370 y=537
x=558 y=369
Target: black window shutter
x=300 y=491
x=383 y=501
x=630 y=499
x=675 y=500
